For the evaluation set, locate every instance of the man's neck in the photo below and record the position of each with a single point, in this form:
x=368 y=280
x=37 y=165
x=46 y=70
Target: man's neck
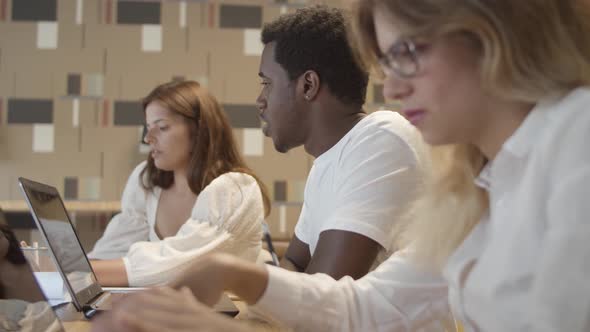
x=330 y=122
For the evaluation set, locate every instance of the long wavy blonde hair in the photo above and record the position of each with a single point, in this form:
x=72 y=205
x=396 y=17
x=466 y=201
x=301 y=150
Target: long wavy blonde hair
x=528 y=50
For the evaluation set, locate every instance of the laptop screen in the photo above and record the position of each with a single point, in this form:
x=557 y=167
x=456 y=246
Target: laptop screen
x=54 y=223
x=23 y=306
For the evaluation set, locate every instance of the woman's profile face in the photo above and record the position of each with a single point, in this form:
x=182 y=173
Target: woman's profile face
x=168 y=135
x=444 y=97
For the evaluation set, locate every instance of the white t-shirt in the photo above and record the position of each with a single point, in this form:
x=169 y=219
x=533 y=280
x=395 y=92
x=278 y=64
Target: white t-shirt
x=365 y=182
x=227 y=217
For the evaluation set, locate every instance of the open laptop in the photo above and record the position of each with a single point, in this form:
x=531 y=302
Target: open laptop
x=54 y=223
x=24 y=307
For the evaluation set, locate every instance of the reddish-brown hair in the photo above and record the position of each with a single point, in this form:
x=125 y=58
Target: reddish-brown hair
x=213 y=147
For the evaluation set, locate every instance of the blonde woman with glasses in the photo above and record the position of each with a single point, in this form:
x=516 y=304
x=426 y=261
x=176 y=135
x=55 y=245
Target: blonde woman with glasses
x=504 y=86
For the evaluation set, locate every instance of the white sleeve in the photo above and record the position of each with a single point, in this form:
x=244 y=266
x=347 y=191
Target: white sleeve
x=560 y=299
x=394 y=297
x=128 y=226
x=227 y=217
x=380 y=176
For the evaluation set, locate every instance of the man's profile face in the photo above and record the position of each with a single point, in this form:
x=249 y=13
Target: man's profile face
x=277 y=103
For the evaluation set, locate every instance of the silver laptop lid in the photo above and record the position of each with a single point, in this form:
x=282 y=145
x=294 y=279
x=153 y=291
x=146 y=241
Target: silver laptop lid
x=23 y=307
x=54 y=223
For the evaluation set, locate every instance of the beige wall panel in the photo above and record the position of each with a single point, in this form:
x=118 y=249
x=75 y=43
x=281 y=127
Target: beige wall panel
x=19 y=35
x=111 y=190
x=196 y=14
x=7 y=81
x=141 y=72
x=119 y=149
x=8 y=173
x=117 y=166
x=68 y=164
x=66 y=11
x=123 y=37
x=137 y=85
x=59 y=84
x=112 y=85
x=5 y=183
x=229 y=41
x=34 y=84
x=63 y=112
x=170 y=14
x=191 y=65
x=215 y=42
x=78 y=61
x=133 y=62
x=241 y=81
x=16 y=142
x=30 y=60
x=92 y=11
x=88 y=116
x=108 y=139
x=66 y=140
x=270 y=13
x=174 y=39
x=51 y=168
x=70 y=36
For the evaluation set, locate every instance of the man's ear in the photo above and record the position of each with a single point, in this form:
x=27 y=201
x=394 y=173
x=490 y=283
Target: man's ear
x=309 y=85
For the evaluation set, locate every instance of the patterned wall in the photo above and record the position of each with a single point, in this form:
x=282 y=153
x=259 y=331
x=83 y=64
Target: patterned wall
x=72 y=73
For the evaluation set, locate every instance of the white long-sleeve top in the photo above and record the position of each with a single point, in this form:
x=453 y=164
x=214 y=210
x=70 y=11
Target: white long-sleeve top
x=227 y=216
x=524 y=267
x=394 y=297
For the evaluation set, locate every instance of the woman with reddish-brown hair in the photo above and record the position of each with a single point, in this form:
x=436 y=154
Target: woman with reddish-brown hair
x=193 y=195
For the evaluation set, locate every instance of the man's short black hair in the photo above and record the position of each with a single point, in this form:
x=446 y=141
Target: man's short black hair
x=314 y=38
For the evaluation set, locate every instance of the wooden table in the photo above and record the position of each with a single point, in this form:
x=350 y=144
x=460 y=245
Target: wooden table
x=74 y=321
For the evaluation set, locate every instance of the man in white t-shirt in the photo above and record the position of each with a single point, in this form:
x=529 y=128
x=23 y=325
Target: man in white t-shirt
x=367 y=169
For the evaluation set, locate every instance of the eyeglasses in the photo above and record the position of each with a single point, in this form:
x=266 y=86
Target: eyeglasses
x=402 y=59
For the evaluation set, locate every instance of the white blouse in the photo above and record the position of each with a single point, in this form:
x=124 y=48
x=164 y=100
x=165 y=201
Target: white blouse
x=525 y=267
x=227 y=216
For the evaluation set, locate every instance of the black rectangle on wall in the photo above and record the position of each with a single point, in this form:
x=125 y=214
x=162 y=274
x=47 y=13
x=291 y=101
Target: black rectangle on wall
x=74 y=84
x=136 y=12
x=242 y=17
x=71 y=188
x=280 y=190
x=242 y=116
x=27 y=111
x=34 y=10
x=128 y=113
